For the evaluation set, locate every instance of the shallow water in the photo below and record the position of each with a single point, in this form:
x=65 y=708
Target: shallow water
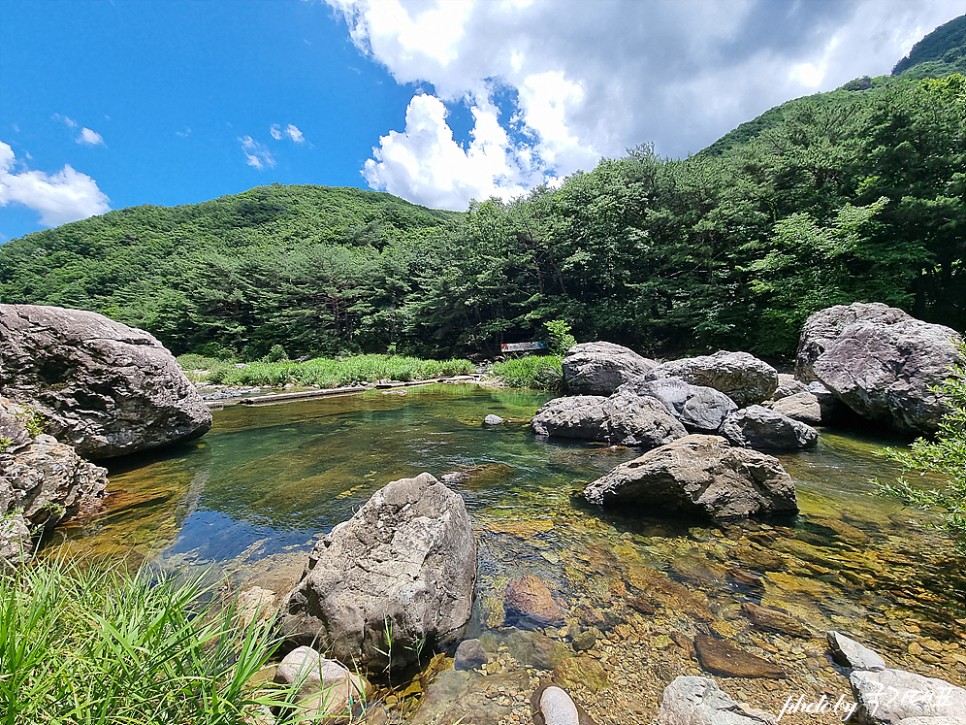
x=250 y=497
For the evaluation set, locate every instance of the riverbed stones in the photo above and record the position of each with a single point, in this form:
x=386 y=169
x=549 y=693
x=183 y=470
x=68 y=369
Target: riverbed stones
x=699 y=408
x=739 y=375
x=764 y=429
x=774 y=620
x=470 y=655
x=699 y=474
x=493 y=419
x=104 y=388
x=881 y=362
x=849 y=653
x=326 y=688
x=599 y=368
x=889 y=697
x=530 y=603
x=722 y=658
x=395 y=579
x=692 y=700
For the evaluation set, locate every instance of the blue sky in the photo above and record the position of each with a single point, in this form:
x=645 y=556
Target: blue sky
x=106 y=104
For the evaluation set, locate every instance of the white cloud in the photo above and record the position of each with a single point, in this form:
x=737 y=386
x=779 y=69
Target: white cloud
x=89 y=137
x=291 y=131
x=66 y=120
x=61 y=197
x=594 y=78
x=256 y=155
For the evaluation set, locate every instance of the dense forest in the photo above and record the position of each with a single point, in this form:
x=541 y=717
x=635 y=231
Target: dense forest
x=857 y=194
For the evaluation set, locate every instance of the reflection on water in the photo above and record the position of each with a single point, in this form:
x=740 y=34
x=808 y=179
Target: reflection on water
x=266 y=481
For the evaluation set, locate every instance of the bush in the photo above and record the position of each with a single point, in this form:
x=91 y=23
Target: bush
x=276 y=354
x=540 y=372
x=192 y=361
x=102 y=645
x=560 y=338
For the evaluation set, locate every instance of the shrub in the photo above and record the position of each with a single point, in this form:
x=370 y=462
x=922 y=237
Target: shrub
x=560 y=338
x=276 y=354
x=540 y=372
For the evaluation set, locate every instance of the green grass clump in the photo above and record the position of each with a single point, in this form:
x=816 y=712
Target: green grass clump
x=540 y=372
x=329 y=373
x=103 y=645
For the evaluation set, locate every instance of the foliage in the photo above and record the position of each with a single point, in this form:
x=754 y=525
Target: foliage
x=941 y=52
x=33 y=420
x=101 y=645
x=5 y=443
x=944 y=456
x=540 y=372
x=276 y=354
x=330 y=373
x=560 y=338
x=192 y=361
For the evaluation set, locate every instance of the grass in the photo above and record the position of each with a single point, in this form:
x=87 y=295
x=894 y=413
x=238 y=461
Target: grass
x=101 y=645
x=540 y=372
x=329 y=373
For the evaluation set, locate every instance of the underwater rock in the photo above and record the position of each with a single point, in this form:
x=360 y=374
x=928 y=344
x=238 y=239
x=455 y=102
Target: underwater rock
x=327 y=688
x=598 y=368
x=699 y=701
x=581 y=671
x=699 y=408
x=803 y=407
x=104 y=388
x=774 y=620
x=849 y=653
x=720 y=658
x=889 y=697
x=254 y=604
x=533 y=649
x=397 y=577
x=763 y=429
x=739 y=375
x=470 y=655
x=528 y=601
x=699 y=474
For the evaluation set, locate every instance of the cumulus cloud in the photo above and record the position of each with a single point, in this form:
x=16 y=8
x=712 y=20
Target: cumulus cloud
x=291 y=131
x=61 y=197
x=256 y=154
x=89 y=137
x=592 y=79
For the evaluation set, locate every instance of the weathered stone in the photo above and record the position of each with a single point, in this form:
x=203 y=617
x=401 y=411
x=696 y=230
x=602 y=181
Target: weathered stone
x=401 y=572
x=787 y=386
x=699 y=474
x=104 y=388
x=528 y=601
x=534 y=649
x=598 y=368
x=581 y=671
x=699 y=408
x=586 y=639
x=720 y=658
x=774 y=620
x=803 y=407
x=699 y=701
x=767 y=430
x=326 y=688
x=253 y=604
x=470 y=655
x=741 y=376
x=849 y=653
x=492 y=419
x=888 y=697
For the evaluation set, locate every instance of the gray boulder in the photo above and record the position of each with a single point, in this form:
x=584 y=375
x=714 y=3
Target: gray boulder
x=395 y=579
x=598 y=368
x=699 y=474
x=826 y=326
x=699 y=701
x=767 y=430
x=741 y=376
x=889 y=697
x=699 y=408
x=622 y=419
x=849 y=653
x=104 y=388
x=42 y=482
x=327 y=691
x=803 y=407
x=788 y=385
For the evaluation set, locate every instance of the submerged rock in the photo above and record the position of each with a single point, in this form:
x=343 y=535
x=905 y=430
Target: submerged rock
x=720 y=658
x=890 y=697
x=529 y=601
x=104 y=388
x=849 y=653
x=767 y=430
x=492 y=419
x=699 y=408
x=599 y=368
x=470 y=655
x=699 y=474
x=739 y=375
x=396 y=578
x=774 y=620
x=699 y=701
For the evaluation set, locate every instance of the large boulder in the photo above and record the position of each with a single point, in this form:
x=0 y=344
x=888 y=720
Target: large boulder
x=42 y=482
x=692 y=700
x=623 y=418
x=826 y=326
x=765 y=429
x=699 y=474
x=598 y=368
x=886 y=372
x=104 y=388
x=394 y=580
x=890 y=697
x=739 y=375
x=803 y=407
x=701 y=409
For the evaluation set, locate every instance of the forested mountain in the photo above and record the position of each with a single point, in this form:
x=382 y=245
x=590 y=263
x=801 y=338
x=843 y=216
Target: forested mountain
x=940 y=53
x=857 y=194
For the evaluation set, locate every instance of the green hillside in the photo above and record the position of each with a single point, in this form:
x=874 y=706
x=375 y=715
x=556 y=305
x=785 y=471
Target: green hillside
x=940 y=53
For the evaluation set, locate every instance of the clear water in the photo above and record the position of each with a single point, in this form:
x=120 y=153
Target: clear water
x=250 y=497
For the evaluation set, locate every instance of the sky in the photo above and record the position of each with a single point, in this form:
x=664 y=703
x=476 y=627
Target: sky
x=112 y=103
